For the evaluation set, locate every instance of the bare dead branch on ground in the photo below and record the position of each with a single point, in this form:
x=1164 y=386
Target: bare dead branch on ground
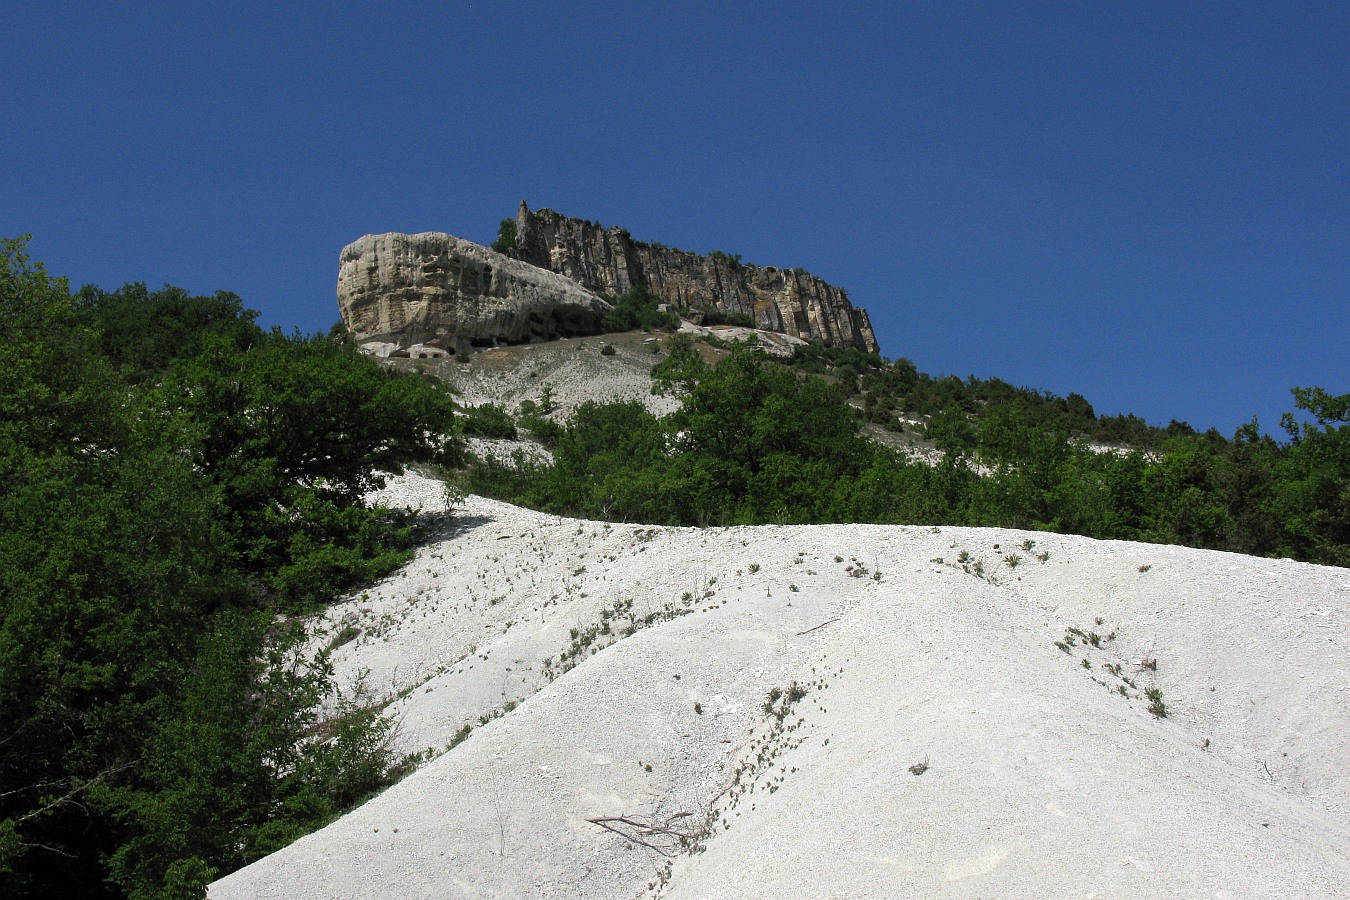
x=665 y=836
x=821 y=625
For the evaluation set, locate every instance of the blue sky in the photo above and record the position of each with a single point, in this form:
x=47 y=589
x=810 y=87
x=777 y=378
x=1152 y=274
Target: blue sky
x=1146 y=203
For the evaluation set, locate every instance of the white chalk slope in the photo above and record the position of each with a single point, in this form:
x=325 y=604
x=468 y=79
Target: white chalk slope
x=1042 y=779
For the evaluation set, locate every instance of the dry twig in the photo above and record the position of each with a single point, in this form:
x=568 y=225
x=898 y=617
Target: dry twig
x=647 y=832
x=821 y=625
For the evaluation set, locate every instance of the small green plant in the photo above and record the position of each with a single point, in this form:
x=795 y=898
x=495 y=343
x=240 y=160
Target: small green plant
x=1013 y=560
x=1143 y=569
x=779 y=701
x=546 y=403
x=1043 y=556
x=1155 y=703
x=608 y=350
x=754 y=567
x=346 y=635
x=460 y=736
x=1028 y=544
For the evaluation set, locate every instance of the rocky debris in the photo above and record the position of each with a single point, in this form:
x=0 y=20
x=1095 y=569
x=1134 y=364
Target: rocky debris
x=437 y=292
x=608 y=260
x=772 y=343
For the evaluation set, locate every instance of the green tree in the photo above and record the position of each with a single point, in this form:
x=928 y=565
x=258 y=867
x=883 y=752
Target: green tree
x=506 y=236
x=154 y=724
x=747 y=423
x=304 y=425
x=637 y=309
x=602 y=459
x=142 y=332
x=109 y=557
x=681 y=370
x=489 y=420
x=1183 y=505
x=1313 y=480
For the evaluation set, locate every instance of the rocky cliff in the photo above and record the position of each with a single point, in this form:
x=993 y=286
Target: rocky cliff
x=435 y=291
x=608 y=260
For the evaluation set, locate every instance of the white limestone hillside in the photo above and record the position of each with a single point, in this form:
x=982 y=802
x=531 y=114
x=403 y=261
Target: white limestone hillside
x=940 y=743
x=574 y=371
x=577 y=371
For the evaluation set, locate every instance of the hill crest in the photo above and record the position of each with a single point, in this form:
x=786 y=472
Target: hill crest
x=1042 y=778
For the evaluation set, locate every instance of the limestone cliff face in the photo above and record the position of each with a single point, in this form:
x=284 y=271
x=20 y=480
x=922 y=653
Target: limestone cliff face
x=608 y=260
x=399 y=290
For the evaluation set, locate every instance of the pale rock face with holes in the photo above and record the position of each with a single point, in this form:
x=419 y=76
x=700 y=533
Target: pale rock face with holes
x=788 y=301
x=440 y=293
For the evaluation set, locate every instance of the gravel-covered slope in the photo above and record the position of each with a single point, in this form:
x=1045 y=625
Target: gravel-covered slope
x=940 y=743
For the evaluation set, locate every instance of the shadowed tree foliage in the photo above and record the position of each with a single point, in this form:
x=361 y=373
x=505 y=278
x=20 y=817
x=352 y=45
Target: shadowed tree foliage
x=293 y=432
x=141 y=332
x=163 y=495
x=637 y=310
x=506 y=236
x=1312 y=495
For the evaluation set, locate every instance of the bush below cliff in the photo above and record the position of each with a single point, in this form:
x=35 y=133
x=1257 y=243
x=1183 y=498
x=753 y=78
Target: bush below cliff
x=636 y=309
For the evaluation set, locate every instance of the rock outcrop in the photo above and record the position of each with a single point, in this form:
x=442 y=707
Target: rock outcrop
x=434 y=291
x=608 y=260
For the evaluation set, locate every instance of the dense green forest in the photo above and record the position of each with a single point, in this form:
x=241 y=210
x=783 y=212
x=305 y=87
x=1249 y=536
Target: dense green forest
x=755 y=441
x=891 y=390
x=176 y=484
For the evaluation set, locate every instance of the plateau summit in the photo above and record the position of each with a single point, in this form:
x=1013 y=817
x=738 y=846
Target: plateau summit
x=433 y=294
